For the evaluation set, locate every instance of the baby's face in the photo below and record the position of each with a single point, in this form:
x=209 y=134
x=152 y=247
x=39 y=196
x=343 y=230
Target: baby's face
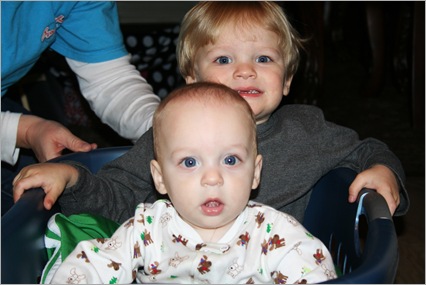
x=247 y=61
x=208 y=162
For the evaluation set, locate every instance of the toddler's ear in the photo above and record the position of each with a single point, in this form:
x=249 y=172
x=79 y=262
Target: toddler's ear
x=286 y=88
x=157 y=176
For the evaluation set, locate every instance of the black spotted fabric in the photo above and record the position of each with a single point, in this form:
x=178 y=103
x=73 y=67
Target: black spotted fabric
x=154 y=55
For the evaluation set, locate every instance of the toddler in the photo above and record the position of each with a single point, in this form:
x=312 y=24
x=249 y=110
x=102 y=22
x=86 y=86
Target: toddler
x=252 y=48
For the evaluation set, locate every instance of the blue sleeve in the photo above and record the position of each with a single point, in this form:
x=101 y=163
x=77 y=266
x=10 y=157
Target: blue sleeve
x=91 y=33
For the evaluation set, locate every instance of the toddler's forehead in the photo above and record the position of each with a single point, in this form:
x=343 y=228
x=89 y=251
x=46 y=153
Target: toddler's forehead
x=239 y=29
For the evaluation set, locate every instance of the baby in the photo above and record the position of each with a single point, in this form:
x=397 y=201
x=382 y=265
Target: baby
x=206 y=160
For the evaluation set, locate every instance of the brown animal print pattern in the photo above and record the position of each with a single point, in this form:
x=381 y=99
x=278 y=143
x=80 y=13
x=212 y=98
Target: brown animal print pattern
x=156 y=245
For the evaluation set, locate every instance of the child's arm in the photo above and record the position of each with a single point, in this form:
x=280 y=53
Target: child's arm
x=52 y=177
x=117 y=188
x=324 y=146
x=380 y=178
x=377 y=166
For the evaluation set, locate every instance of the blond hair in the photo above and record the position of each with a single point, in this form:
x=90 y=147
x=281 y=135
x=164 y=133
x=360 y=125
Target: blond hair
x=206 y=20
x=207 y=93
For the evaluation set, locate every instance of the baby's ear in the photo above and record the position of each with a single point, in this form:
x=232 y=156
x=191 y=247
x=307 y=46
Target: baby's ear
x=286 y=87
x=257 y=171
x=157 y=175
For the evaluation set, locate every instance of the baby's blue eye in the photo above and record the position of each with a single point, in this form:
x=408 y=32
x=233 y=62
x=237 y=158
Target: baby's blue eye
x=223 y=60
x=231 y=160
x=189 y=162
x=263 y=59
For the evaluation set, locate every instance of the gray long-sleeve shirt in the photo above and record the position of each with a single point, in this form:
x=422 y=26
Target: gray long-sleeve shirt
x=298 y=147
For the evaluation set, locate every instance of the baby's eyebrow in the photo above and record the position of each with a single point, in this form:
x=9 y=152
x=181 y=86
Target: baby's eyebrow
x=240 y=148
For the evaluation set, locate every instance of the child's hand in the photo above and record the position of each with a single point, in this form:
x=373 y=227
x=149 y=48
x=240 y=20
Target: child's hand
x=380 y=178
x=48 y=138
x=52 y=177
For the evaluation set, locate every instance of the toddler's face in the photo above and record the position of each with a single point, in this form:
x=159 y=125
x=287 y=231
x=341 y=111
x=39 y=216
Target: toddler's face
x=248 y=61
x=208 y=163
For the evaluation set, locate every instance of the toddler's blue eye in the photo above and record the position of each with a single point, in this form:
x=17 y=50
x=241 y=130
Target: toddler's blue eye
x=189 y=162
x=263 y=59
x=223 y=60
x=231 y=160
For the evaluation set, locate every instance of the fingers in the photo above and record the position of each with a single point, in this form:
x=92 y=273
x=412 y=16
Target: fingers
x=391 y=201
x=48 y=138
x=76 y=144
x=354 y=189
x=50 y=199
x=392 y=198
x=42 y=175
x=65 y=140
x=23 y=182
x=384 y=185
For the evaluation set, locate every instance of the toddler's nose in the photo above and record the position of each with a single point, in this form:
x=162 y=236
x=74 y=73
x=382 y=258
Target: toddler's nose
x=245 y=71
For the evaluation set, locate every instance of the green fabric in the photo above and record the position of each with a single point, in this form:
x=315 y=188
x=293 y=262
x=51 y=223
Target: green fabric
x=49 y=265
x=72 y=230
x=338 y=271
x=76 y=228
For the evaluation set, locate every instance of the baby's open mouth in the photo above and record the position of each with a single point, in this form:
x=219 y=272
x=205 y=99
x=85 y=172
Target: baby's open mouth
x=212 y=204
x=212 y=207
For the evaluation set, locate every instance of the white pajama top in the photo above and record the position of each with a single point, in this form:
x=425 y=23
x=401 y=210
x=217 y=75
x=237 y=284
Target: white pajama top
x=157 y=246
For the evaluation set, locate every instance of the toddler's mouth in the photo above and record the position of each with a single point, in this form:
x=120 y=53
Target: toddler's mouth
x=249 y=92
